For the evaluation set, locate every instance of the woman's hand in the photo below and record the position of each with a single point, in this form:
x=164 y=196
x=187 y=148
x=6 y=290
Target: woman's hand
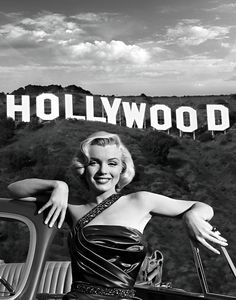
x=28 y=188
x=202 y=231
x=58 y=202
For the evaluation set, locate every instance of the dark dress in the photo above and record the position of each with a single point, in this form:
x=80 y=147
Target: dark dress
x=105 y=258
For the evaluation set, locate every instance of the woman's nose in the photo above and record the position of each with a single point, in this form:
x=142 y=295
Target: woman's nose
x=103 y=168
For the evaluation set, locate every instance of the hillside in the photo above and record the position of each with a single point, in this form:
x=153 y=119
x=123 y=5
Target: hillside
x=182 y=168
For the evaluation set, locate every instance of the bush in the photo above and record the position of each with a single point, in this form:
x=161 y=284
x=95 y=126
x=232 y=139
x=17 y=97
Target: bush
x=226 y=138
x=18 y=159
x=157 y=145
x=35 y=123
x=7 y=130
x=205 y=137
x=21 y=125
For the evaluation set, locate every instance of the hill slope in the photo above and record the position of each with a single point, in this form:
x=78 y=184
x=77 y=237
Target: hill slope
x=179 y=168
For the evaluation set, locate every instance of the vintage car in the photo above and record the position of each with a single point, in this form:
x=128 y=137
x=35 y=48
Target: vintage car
x=32 y=277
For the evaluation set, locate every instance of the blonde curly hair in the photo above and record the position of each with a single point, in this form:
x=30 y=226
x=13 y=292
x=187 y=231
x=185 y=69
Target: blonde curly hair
x=103 y=138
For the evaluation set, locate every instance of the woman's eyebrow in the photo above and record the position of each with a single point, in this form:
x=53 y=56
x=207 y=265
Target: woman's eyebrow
x=114 y=158
x=97 y=159
x=93 y=158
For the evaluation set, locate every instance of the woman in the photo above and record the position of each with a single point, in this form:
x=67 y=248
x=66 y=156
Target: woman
x=106 y=242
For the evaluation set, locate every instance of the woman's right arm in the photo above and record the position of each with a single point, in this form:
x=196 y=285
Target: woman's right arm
x=58 y=199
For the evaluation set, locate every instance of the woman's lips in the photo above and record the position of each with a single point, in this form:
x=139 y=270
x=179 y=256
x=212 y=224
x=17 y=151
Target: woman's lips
x=102 y=180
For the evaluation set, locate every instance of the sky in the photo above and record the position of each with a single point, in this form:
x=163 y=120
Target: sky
x=125 y=47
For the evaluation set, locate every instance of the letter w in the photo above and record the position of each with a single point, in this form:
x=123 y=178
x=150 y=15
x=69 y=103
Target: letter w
x=133 y=114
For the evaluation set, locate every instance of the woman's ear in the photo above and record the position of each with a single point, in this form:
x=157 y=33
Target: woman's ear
x=123 y=167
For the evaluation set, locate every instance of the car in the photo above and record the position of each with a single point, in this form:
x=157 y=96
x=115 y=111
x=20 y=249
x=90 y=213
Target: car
x=26 y=274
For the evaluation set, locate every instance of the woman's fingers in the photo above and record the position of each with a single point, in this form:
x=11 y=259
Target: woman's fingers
x=216 y=240
x=57 y=211
x=217 y=236
x=58 y=204
x=211 y=236
x=54 y=217
x=62 y=218
x=207 y=245
x=49 y=203
x=51 y=212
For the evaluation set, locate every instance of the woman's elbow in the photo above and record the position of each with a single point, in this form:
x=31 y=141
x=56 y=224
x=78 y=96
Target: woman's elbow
x=16 y=190
x=205 y=210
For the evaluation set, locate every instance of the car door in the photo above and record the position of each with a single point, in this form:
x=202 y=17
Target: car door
x=24 y=241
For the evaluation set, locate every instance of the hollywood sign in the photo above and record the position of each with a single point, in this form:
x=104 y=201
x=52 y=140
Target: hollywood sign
x=134 y=114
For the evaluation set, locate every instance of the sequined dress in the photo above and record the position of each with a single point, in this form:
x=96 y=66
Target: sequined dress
x=105 y=259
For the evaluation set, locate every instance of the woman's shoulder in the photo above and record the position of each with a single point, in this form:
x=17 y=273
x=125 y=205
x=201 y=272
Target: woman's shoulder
x=149 y=201
x=140 y=195
x=140 y=198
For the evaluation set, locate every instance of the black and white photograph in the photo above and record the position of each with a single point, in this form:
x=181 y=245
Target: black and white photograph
x=118 y=150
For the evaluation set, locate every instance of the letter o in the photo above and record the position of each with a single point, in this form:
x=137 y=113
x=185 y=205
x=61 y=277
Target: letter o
x=180 y=119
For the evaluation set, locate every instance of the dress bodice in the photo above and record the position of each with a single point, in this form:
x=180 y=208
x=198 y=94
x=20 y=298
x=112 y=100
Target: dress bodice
x=106 y=255
x=105 y=259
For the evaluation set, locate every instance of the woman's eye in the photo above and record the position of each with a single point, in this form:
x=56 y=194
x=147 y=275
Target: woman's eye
x=92 y=163
x=113 y=163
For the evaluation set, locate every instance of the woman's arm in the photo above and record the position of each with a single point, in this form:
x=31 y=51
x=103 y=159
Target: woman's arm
x=196 y=220
x=196 y=216
x=58 y=199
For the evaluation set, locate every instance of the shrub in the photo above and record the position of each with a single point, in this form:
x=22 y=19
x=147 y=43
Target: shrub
x=157 y=145
x=18 y=159
x=35 y=123
x=205 y=137
x=226 y=138
x=7 y=130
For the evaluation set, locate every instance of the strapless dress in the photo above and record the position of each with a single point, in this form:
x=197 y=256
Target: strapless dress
x=105 y=259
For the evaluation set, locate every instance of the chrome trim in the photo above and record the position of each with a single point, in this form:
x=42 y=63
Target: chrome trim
x=199 y=268
x=229 y=260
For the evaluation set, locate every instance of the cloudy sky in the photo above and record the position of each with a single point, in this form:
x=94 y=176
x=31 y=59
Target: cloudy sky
x=125 y=47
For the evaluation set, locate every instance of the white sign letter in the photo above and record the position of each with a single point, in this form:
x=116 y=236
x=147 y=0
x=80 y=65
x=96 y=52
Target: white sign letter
x=211 y=117
x=90 y=110
x=192 y=114
x=167 y=122
x=54 y=106
x=111 y=111
x=134 y=114
x=69 y=108
x=24 y=107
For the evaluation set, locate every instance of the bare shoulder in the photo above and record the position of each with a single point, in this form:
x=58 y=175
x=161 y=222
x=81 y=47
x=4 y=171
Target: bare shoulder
x=143 y=195
x=152 y=202
x=142 y=198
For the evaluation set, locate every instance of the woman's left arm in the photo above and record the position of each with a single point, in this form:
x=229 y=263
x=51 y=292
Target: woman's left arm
x=196 y=216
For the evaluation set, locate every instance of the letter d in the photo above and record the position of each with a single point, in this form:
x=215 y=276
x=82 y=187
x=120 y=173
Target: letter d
x=211 y=117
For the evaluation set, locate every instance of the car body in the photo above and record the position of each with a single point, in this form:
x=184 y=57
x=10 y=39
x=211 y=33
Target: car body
x=36 y=283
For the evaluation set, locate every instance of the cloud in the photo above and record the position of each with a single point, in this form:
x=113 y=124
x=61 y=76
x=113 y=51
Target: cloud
x=112 y=51
x=95 y=17
x=52 y=38
x=224 y=8
x=225 y=45
x=187 y=33
x=95 y=48
x=45 y=27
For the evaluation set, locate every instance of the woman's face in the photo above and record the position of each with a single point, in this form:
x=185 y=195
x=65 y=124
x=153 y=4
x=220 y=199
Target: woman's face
x=104 y=168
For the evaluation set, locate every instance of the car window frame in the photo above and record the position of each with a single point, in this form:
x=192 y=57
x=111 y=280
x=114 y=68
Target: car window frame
x=30 y=255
